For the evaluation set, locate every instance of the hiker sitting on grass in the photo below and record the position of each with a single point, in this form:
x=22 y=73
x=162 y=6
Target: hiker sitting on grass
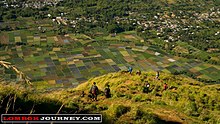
x=139 y=72
x=107 y=92
x=82 y=94
x=146 y=88
x=94 y=91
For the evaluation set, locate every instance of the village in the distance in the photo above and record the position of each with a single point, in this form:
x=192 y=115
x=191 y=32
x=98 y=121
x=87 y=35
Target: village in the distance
x=60 y=48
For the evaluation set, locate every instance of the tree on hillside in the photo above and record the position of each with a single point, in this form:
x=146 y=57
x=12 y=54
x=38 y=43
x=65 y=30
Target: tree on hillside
x=114 y=28
x=26 y=12
x=10 y=15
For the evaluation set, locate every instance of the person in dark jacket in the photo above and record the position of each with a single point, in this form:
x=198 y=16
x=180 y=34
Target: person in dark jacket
x=94 y=91
x=146 y=88
x=107 y=92
x=157 y=75
x=130 y=69
x=82 y=94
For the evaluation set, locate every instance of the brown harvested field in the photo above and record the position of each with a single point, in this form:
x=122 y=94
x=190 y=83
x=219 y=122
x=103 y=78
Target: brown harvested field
x=150 y=52
x=129 y=37
x=59 y=40
x=4 y=39
x=166 y=60
x=150 y=61
x=193 y=70
x=210 y=50
x=129 y=59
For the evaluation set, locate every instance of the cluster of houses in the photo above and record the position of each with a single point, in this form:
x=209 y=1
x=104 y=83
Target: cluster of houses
x=29 y=3
x=161 y=21
x=175 y=21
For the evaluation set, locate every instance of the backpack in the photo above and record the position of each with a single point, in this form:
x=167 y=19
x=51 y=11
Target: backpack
x=165 y=86
x=107 y=90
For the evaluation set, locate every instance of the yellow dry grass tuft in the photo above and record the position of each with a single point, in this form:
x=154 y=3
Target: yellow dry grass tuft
x=21 y=75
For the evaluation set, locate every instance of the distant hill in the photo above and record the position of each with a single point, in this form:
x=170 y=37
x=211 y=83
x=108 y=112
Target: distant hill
x=185 y=100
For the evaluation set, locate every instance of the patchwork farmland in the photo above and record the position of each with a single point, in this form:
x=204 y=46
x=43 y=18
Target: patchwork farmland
x=72 y=59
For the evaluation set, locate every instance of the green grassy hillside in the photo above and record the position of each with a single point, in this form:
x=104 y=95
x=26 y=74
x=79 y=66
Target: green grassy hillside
x=185 y=101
